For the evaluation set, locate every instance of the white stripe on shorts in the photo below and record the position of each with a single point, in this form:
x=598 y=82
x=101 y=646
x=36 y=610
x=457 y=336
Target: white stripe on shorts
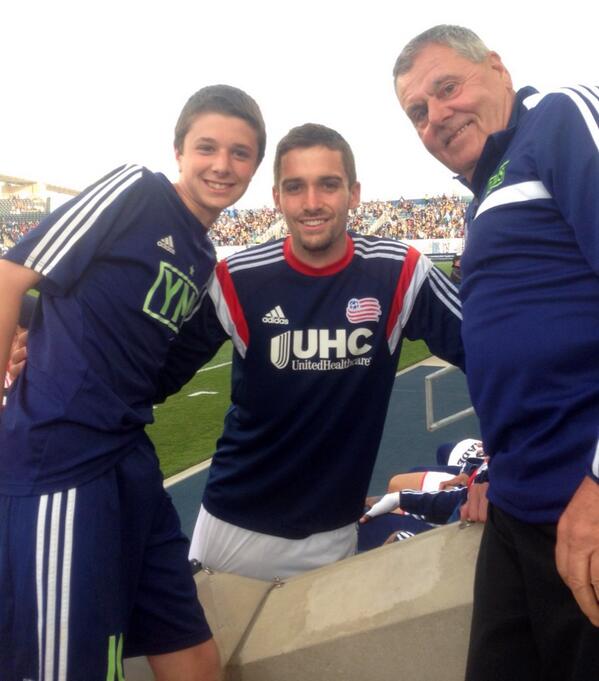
x=53 y=639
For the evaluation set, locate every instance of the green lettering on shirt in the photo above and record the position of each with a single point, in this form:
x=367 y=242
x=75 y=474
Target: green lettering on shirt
x=172 y=297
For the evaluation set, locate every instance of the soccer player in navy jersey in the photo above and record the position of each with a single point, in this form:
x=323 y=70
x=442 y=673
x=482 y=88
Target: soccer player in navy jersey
x=530 y=294
x=93 y=564
x=317 y=320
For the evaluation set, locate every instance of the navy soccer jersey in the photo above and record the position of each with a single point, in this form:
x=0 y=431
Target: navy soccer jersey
x=315 y=357
x=531 y=300
x=123 y=268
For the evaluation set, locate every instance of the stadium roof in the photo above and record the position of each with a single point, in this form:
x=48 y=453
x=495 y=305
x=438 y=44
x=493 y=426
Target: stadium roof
x=19 y=181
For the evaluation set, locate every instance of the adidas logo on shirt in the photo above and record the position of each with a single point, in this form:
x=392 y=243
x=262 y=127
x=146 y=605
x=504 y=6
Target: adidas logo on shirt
x=167 y=243
x=275 y=316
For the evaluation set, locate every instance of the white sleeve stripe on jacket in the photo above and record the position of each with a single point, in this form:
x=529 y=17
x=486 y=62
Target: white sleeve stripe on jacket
x=445 y=292
x=595 y=466
x=65 y=230
x=515 y=193
x=88 y=224
x=589 y=92
x=584 y=108
x=419 y=276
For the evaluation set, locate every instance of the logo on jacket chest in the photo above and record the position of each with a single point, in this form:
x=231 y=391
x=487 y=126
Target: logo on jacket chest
x=321 y=349
x=172 y=297
x=497 y=179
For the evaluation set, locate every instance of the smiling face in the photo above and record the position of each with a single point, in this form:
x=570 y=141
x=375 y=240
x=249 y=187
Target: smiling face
x=216 y=163
x=314 y=195
x=455 y=103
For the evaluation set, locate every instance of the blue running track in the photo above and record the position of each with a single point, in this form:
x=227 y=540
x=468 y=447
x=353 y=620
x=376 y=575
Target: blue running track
x=406 y=442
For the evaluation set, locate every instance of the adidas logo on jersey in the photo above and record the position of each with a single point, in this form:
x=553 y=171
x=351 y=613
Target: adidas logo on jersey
x=275 y=316
x=167 y=243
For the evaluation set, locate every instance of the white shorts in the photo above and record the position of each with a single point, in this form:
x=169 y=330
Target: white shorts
x=223 y=547
x=432 y=479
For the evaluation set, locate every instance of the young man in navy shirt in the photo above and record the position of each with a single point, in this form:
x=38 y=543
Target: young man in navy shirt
x=317 y=320
x=93 y=564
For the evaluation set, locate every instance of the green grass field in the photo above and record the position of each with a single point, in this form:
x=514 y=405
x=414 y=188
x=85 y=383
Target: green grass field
x=188 y=424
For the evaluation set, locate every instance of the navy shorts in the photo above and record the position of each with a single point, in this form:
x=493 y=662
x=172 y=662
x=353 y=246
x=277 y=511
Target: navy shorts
x=93 y=574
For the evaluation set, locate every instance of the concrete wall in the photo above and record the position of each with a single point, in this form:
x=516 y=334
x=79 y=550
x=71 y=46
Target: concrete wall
x=398 y=612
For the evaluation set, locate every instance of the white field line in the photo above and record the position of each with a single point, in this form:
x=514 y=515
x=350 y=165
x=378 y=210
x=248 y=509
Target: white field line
x=198 y=468
x=214 y=366
x=187 y=473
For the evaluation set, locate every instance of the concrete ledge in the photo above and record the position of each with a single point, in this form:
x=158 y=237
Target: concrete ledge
x=379 y=614
x=231 y=604
x=398 y=612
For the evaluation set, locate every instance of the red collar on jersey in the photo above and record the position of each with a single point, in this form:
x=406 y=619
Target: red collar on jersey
x=333 y=268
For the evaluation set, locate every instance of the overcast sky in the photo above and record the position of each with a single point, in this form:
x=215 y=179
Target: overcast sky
x=86 y=86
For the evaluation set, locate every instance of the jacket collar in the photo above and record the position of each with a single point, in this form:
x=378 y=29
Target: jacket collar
x=496 y=144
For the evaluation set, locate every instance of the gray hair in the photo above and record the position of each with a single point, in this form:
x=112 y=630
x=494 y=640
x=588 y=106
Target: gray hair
x=464 y=41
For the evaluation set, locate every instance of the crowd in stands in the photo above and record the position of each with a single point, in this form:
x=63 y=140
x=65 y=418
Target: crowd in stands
x=245 y=227
x=437 y=217
x=17 y=217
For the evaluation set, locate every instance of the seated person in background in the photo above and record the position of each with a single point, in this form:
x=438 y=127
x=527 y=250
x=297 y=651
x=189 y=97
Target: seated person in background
x=456 y=270
x=406 y=511
x=451 y=459
x=437 y=507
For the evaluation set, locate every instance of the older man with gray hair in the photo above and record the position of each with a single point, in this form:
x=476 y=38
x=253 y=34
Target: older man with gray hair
x=530 y=295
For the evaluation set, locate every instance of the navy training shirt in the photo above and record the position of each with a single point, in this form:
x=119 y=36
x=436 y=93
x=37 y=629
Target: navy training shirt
x=530 y=294
x=314 y=363
x=124 y=266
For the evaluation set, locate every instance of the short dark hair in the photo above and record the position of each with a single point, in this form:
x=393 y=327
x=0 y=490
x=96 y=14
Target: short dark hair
x=314 y=135
x=464 y=41
x=226 y=100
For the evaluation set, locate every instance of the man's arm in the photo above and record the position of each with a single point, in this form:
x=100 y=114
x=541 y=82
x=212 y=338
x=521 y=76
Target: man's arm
x=434 y=507
x=18 y=355
x=577 y=548
x=436 y=314
x=15 y=280
x=199 y=340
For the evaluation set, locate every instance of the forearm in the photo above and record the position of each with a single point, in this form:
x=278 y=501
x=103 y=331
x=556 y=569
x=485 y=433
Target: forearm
x=436 y=318
x=434 y=507
x=199 y=340
x=8 y=325
x=15 y=280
